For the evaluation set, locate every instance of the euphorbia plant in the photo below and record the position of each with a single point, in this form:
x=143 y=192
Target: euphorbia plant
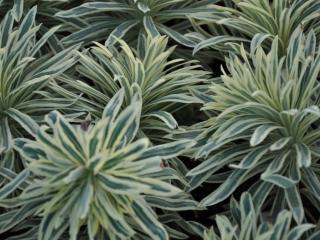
x=266 y=126
x=101 y=178
x=164 y=83
x=127 y=18
x=258 y=21
x=25 y=90
x=245 y=223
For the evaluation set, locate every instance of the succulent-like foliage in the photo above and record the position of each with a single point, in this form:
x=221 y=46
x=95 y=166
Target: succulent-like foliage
x=97 y=177
x=164 y=83
x=245 y=223
x=25 y=77
x=267 y=126
x=46 y=9
x=102 y=134
x=257 y=20
x=127 y=18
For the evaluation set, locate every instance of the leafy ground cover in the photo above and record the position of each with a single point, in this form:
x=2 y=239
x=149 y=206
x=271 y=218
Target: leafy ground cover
x=159 y=119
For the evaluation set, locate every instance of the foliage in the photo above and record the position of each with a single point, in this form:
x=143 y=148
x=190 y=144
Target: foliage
x=248 y=224
x=127 y=18
x=266 y=126
x=164 y=82
x=98 y=176
x=256 y=20
x=25 y=77
x=110 y=128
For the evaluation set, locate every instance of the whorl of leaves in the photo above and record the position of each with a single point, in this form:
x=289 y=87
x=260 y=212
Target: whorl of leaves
x=111 y=129
x=127 y=18
x=164 y=82
x=99 y=177
x=25 y=76
x=256 y=20
x=267 y=126
x=246 y=223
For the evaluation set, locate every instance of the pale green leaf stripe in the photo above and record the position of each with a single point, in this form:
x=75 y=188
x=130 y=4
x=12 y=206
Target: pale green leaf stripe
x=281 y=143
x=32 y=152
x=126 y=121
x=150 y=26
x=222 y=157
x=312 y=181
x=7 y=28
x=177 y=36
x=127 y=154
x=148 y=222
x=68 y=132
x=212 y=42
x=143 y=7
x=66 y=137
x=24 y=120
x=90 y=8
x=257 y=40
x=85 y=200
x=128 y=184
x=76 y=12
x=115 y=185
x=176 y=98
x=303 y=155
x=297 y=232
x=27 y=22
x=165 y=117
x=172 y=204
x=197 y=180
x=5 y=133
x=74 y=175
x=252 y=158
x=14 y=184
x=94 y=30
x=168 y=150
x=108 y=6
x=295 y=203
x=9 y=175
x=119 y=32
x=260 y=194
x=279 y=180
x=18 y=9
x=47 y=226
x=24 y=212
x=236 y=128
x=43 y=40
x=226 y=189
x=261 y=133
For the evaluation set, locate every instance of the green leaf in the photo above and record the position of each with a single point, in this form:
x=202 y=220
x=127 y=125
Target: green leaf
x=150 y=26
x=294 y=201
x=165 y=117
x=303 y=155
x=148 y=222
x=168 y=150
x=213 y=42
x=226 y=189
x=279 y=180
x=261 y=133
x=119 y=32
x=280 y=144
x=18 y=9
x=14 y=184
x=252 y=158
x=297 y=232
x=6 y=136
x=24 y=120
